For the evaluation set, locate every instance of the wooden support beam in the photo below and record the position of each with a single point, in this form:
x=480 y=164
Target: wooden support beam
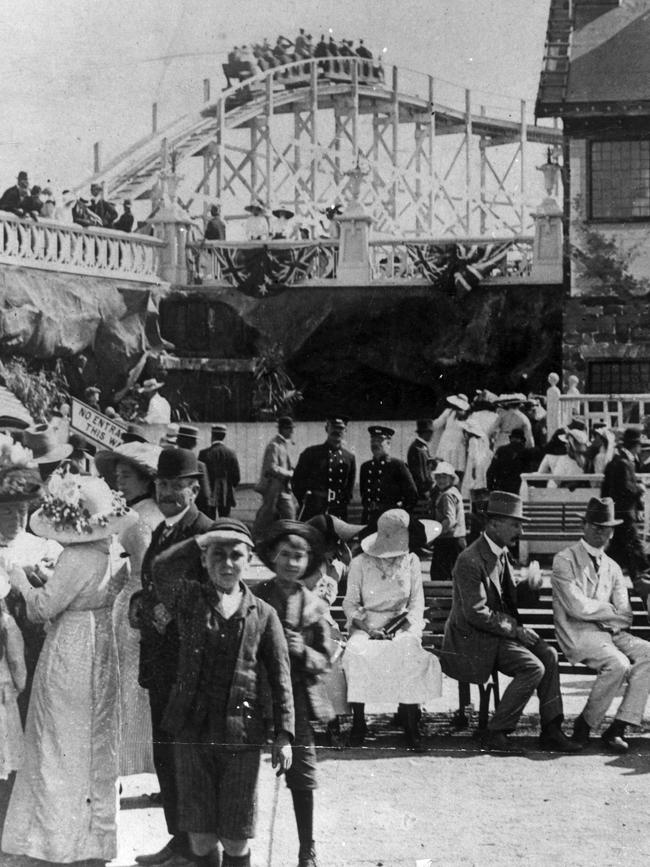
x=468 y=161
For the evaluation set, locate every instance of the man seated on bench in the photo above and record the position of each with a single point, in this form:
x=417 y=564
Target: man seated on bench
x=484 y=632
x=593 y=615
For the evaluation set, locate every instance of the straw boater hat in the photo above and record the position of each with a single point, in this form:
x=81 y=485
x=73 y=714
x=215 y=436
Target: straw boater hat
x=142 y=456
x=79 y=509
x=601 y=513
x=511 y=398
x=392 y=538
x=149 y=386
x=43 y=442
x=458 y=401
x=20 y=480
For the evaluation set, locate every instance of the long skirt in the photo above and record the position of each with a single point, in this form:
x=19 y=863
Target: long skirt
x=383 y=674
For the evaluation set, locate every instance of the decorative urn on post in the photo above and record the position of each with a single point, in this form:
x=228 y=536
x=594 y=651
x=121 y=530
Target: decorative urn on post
x=354 y=250
x=170 y=223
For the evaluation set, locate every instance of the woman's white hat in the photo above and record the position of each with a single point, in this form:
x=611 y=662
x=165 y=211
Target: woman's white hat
x=392 y=536
x=458 y=401
x=80 y=509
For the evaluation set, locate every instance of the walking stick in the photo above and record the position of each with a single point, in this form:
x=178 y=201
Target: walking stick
x=274 y=812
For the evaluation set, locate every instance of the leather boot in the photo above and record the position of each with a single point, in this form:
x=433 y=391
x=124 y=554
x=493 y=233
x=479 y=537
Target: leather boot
x=411 y=716
x=359 y=727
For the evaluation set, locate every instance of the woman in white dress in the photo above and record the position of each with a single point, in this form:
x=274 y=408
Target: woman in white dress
x=63 y=805
x=451 y=446
x=131 y=469
x=388 y=668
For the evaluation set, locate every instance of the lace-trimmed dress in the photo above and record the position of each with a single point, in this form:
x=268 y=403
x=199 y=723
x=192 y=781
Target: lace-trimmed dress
x=383 y=674
x=136 y=746
x=63 y=805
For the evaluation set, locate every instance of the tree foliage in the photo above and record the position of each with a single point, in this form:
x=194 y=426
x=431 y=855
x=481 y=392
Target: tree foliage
x=39 y=388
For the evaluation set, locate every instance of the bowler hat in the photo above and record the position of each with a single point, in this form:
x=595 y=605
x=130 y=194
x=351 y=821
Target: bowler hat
x=178 y=464
x=517 y=433
x=424 y=424
x=503 y=504
x=631 y=436
x=601 y=512
x=285 y=421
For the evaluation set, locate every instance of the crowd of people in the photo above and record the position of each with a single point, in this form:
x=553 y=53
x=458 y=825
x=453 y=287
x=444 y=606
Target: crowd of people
x=39 y=203
x=135 y=639
x=258 y=57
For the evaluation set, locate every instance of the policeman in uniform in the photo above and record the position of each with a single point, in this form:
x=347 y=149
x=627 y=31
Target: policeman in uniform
x=385 y=482
x=324 y=476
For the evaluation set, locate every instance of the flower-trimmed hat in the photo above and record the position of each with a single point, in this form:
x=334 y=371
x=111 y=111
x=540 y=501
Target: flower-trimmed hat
x=79 y=509
x=142 y=456
x=280 y=530
x=20 y=479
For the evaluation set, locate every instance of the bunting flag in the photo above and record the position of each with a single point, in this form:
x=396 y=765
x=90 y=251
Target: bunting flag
x=456 y=266
x=269 y=270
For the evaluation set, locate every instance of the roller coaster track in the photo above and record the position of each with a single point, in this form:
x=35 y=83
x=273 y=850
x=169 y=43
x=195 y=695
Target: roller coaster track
x=435 y=161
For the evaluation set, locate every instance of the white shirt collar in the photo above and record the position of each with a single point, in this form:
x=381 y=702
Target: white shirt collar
x=496 y=550
x=594 y=552
x=171 y=522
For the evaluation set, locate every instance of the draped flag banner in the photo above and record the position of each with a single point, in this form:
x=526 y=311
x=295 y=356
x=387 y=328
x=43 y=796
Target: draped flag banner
x=267 y=270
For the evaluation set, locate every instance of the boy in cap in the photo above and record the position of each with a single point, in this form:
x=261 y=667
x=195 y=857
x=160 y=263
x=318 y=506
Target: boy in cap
x=385 y=482
x=223 y=472
x=213 y=713
x=323 y=480
x=592 y=616
x=484 y=631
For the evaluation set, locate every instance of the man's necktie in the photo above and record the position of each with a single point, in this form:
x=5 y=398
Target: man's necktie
x=596 y=562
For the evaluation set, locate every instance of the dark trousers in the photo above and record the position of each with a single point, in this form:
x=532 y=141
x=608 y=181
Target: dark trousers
x=626 y=548
x=531 y=669
x=445 y=553
x=163 y=759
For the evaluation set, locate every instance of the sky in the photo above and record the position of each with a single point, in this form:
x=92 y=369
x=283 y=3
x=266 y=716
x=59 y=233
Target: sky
x=75 y=72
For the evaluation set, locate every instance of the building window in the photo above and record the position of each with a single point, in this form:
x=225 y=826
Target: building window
x=618 y=377
x=620 y=180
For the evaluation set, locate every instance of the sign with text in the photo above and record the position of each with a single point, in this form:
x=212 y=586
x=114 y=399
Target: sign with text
x=95 y=426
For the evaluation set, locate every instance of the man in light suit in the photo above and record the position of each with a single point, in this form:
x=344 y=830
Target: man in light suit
x=593 y=615
x=275 y=481
x=484 y=631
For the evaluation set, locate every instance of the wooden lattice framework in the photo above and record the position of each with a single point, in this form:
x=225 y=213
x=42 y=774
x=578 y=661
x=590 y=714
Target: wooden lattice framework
x=435 y=164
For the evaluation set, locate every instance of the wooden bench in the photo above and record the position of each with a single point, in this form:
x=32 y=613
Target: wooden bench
x=553 y=526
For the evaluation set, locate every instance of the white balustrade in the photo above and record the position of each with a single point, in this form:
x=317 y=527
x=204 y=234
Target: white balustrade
x=616 y=410
x=77 y=250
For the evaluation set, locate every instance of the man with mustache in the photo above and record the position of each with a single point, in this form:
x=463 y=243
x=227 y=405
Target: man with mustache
x=177 y=484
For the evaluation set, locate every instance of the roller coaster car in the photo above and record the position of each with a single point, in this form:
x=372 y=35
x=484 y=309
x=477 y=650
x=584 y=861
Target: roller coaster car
x=236 y=73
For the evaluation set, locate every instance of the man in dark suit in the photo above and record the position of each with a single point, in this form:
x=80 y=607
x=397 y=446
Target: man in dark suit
x=485 y=631
x=508 y=463
x=188 y=438
x=106 y=211
x=620 y=483
x=323 y=479
x=14 y=198
x=177 y=485
x=385 y=482
x=223 y=473
x=419 y=458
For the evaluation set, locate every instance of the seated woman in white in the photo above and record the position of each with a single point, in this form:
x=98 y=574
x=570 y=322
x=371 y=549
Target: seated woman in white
x=384 y=662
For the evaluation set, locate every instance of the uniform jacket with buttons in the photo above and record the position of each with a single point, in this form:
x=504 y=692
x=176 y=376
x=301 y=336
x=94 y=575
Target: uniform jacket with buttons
x=321 y=469
x=386 y=484
x=483 y=613
x=585 y=603
x=261 y=640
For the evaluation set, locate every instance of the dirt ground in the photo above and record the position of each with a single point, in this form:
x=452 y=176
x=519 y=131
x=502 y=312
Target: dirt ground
x=382 y=806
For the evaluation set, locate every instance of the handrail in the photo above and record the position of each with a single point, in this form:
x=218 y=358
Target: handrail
x=74 y=249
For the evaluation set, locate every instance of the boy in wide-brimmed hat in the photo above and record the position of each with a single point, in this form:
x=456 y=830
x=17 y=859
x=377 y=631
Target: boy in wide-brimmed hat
x=592 y=617
x=485 y=630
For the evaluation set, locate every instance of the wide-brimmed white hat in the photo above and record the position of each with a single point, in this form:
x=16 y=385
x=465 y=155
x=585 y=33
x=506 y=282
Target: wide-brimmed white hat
x=446 y=468
x=80 y=509
x=149 y=386
x=392 y=536
x=142 y=456
x=458 y=401
x=473 y=428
